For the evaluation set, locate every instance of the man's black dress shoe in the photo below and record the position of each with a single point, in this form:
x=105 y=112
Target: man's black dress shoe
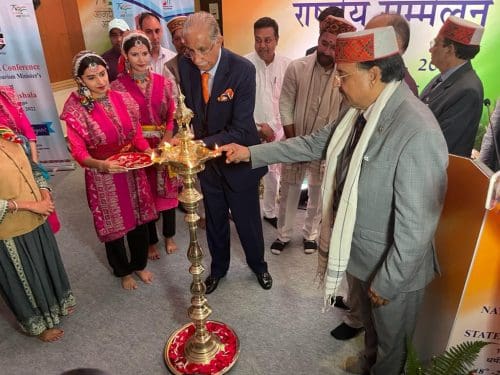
x=211 y=284
x=345 y=332
x=265 y=280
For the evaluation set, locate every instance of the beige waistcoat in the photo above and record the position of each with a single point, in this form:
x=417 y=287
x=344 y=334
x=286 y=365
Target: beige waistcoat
x=17 y=183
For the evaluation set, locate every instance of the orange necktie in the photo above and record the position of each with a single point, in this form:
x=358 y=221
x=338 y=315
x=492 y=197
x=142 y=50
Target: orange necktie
x=204 y=86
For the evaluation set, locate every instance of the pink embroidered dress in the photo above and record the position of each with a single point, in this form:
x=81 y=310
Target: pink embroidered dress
x=12 y=114
x=157 y=109
x=119 y=202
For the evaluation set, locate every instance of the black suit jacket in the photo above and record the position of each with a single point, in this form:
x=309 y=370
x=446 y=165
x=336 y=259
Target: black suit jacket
x=457 y=104
x=225 y=121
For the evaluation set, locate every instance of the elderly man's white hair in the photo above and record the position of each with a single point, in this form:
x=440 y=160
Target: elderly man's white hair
x=205 y=19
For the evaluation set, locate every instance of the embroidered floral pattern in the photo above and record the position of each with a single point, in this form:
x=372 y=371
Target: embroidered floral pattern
x=3 y=209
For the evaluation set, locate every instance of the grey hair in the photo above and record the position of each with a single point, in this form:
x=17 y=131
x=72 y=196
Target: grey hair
x=206 y=19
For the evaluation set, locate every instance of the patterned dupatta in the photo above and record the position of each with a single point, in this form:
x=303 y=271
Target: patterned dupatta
x=149 y=105
x=125 y=130
x=9 y=106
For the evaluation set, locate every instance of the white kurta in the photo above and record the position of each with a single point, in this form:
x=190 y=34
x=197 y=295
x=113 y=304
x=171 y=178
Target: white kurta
x=269 y=79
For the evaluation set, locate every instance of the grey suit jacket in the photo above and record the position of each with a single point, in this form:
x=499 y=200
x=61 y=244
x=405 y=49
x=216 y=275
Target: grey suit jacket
x=457 y=104
x=401 y=190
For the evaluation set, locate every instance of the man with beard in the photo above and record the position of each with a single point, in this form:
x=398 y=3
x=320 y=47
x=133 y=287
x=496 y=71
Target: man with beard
x=308 y=102
x=330 y=11
x=175 y=26
x=270 y=69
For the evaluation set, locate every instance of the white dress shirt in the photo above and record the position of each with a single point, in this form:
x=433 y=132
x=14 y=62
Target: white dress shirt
x=163 y=57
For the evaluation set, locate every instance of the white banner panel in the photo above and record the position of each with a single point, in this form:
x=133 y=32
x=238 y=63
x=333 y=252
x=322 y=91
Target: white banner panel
x=22 y=66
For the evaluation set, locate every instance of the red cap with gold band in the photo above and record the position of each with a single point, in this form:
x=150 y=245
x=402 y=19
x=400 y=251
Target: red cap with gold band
x=366 y=45
x=336 y=25
x=462 y=31
x=176 y=23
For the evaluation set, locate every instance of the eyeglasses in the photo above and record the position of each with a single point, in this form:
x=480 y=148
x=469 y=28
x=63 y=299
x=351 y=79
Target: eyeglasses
x=339 y=79
x=191 y=53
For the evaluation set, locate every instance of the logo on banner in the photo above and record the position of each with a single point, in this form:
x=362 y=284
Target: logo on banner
x=19 y=11
x=124 y=8
x=167 y=5
x=2 y=41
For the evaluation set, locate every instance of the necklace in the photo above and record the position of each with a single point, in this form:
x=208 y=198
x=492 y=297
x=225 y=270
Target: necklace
x=102 y=98
x=141 y=77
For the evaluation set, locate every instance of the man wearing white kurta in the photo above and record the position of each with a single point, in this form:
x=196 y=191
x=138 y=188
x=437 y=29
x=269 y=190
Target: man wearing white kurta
x=270 y=69
x=308 y=102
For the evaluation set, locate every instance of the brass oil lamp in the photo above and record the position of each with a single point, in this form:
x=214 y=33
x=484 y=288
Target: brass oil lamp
x=202 y=346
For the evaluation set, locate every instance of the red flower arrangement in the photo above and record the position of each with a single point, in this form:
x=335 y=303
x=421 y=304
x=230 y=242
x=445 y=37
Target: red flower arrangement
x=223 y=359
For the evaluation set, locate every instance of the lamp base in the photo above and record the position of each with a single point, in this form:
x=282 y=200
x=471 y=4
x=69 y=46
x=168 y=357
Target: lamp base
x=222 y=361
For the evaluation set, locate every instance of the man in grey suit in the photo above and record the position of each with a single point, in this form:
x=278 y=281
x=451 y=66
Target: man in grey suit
x=383 y=192
x=456 y=95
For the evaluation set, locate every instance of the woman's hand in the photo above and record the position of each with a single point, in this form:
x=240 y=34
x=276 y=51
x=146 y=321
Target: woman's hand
x=44 y=207
x=167 y=137
x=108 y=166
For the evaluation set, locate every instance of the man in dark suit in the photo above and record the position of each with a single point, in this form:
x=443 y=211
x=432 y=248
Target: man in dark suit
x=220 y=89
x=456 y=95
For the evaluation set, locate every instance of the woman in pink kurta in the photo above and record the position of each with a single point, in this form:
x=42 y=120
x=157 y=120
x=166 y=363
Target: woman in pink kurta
x=153 y=94
x=13 y=116
x=100 y=123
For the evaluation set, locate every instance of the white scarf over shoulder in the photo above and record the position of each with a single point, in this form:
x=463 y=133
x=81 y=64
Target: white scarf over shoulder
x=341 y=237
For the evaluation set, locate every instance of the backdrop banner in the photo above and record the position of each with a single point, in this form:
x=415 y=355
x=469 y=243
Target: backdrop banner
x=299 y=30
x=22 y=66
x=94 y=18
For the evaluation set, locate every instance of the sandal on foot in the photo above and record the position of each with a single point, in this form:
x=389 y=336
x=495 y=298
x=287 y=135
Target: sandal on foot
x=310 y=246
x=277 y=246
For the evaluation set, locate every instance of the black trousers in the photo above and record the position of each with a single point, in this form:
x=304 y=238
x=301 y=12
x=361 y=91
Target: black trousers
x=117 y=253
x=219 y=199
x=168 y=226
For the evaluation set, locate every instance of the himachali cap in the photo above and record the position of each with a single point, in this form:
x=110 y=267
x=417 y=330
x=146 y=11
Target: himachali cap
x=366 y=45
x=336 y=25
x=462 y=31
x=176 y=23
x=118 y=23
